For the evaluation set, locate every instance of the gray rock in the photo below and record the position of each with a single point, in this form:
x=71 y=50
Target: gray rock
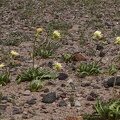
x=31 y=101
x=70 y=80
x=62 y=103
x=16 y=111
x=85 y=83
x=27 y=93
x=49 y=98
x=77 y=103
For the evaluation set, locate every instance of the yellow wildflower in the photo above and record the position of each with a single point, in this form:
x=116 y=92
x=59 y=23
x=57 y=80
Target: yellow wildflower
x=13 y=53
x=56 y=34
x=39 y=30
x=98 y=35
x=57 y=66
x=2 y=65
x=117 y=41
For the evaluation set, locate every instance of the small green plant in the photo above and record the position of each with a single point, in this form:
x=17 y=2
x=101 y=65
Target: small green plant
x=35 y=85
x=67 y=58
x=112 y=70
x=2 y=116
x=4 y=79
x=88 y=69
x=35 y=73
x=105 y=111
x=47 y=49
x=109 y=110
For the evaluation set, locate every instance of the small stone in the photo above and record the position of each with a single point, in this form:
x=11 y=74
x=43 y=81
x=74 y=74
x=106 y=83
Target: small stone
x=31 y=101
x=99 y=47
x=49 y=98
x=95 y=87
x=3 y=107
x=4 y=98
x=46 y=90
x=77 y=103
x=4 y=101
x=105 y=60
x=63 y=95
x=90 y=98
x=78 y=57
x=73 y=118
x=102 y=54
x=62 y=76
x=27 y=92
x=85 y=83
x=24 y=116
x=16 y=111
x=62 y=103
x=110 y=82
x=43 y=107
x=63 y=85
x=94 y=94
x=70 y=80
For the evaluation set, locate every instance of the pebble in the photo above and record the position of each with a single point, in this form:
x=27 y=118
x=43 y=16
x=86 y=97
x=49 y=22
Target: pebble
x=77 y=103
x=3 y=107
x=110 y=82
x=78 y=57
x=16 y=111
x=31 y=101
x=27 y=93
x=62 y=76
x=62 y=103
x=99 y=47
x=85 y=83
x=49 y=98
x=70 y=80
x=94 y=94
x=90 y=98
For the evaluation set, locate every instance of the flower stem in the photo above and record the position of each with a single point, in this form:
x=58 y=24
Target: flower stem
x=33 y=55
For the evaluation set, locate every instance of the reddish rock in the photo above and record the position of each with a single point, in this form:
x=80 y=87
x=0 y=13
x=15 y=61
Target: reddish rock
x=78 y=57
x=73 y=118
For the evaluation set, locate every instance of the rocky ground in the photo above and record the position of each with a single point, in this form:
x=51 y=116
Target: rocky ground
x=76 y=20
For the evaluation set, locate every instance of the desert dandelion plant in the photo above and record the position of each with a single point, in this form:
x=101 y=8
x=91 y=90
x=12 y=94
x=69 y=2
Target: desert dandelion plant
x=14 y=54
x=97 y=35
x=2 y=65
x=57 y=66
x=56 y=34
x=117 y=40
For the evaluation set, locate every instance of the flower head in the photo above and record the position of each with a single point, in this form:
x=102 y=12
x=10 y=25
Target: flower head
x=38 y=31
x=13 y=53
x=57 y=66
x=117 y=41
x=98 y=35
x=2 y=65
x=56 y=34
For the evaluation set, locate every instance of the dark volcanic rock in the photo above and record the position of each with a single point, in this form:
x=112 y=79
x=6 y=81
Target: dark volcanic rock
x=62 y=76
x=102 y=54
x=110 y=82
x=49 y=98
x=99 y=47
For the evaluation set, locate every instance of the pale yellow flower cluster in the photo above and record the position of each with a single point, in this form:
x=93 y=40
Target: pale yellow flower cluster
x=57 y=66
x=117 y=41
x=56 y=34
x=38 y=31
x=14 y=54
x=97 y=35
x=2 y=65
